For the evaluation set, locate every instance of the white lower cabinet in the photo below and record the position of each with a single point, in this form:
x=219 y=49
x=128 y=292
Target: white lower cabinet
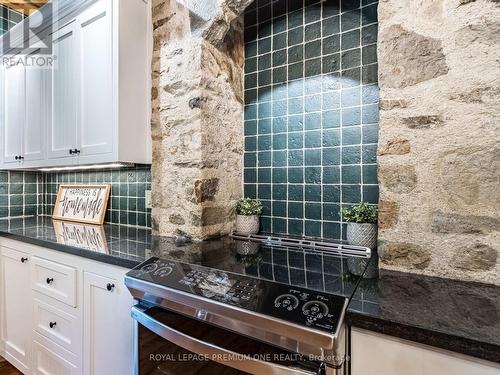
x=16 y=308
x=107 y=325
x=54 y=279
x=63 y=315
x=51 y=360
x=377 y=354
x=57 y=325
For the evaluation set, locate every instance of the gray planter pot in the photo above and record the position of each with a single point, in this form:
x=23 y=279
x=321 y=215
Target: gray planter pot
x=356 y=266
x=362 y=234
x=247 y=247
x=247 y=224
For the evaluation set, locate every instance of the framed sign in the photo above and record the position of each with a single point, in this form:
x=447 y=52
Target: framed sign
x=83 y=236
x=82 y=203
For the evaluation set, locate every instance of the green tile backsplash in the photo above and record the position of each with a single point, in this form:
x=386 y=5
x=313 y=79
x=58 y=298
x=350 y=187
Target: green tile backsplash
x=21 y=194
x=8 y=18
x=32 y=193
x=127 y=203
x=311 y=112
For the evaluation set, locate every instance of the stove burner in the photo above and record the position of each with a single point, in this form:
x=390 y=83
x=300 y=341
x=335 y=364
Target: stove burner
x=163 y=271
x=149 y=268
x=286 y=301
x=156 y=269
x=314 y=310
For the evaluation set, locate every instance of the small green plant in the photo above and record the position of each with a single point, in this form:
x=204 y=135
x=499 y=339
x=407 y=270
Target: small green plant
x=248 y=207
x=360 y=213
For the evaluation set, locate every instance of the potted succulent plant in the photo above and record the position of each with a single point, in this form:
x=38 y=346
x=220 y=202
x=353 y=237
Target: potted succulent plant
x=361 y=225
x=247 y=216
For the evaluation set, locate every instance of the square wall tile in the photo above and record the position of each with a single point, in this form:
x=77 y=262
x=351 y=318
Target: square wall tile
x=311 y=111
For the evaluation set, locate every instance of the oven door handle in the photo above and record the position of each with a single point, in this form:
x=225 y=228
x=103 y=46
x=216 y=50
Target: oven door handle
x=221 y=355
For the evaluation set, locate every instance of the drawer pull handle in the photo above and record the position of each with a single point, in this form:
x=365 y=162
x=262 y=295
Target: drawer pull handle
x=50 y=280
x=52 y=324
x=110 y=287
x=24 y=260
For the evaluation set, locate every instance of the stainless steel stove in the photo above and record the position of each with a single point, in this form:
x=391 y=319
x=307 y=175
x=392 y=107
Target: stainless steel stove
x=193 y=319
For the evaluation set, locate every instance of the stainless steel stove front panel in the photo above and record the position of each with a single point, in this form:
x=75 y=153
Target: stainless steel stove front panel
x=300 y=339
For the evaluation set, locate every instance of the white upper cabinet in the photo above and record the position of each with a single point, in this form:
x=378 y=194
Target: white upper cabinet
x=93 y=106
x=96 y=72
x=64 y=94
x=25 y=114
x=38 y=109
x=13 y=114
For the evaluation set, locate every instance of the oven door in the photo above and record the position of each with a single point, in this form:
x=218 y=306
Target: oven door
x=173 y=344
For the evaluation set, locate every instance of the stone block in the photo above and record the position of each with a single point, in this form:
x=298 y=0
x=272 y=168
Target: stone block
x=452 y=223
x=423 y=122
x=388 y=214
x=205 y=190
x=398 y=178
x=395 y=147
x=475 y=257
x=469 y=178
x=388 y=104
x=409 y=58
x=404 y=255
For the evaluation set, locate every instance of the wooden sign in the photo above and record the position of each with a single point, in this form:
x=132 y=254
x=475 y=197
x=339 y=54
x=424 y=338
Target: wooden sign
x=82 y=203
x=83 y=236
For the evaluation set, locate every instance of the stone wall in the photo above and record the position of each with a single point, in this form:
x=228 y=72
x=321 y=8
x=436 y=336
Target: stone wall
x=439 y=146
x=197 y=115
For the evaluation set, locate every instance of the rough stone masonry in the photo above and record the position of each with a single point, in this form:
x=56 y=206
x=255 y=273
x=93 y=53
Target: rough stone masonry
x=439 y=148
x=197 y=100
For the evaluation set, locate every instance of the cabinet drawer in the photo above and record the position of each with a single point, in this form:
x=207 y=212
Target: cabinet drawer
x=55 y=280
x=57 y=325
x=47 y=361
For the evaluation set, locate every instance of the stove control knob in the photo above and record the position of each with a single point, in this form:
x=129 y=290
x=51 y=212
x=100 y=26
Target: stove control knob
x=287 y=302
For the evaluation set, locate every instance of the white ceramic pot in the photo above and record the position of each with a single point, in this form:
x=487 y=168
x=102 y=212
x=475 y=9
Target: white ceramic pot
x=362 y=234
x=247 y=224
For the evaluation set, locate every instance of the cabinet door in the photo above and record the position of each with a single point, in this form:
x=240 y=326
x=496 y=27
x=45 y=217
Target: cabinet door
x=96 y=88
x=374 y=353
x=107 y=327
x=50 y=359
x=14 y=112
x=38 y=97
x=65 y=81
x=16 y=305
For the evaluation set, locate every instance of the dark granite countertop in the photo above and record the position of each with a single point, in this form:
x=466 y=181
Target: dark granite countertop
x=462 y=317
x=113 y=244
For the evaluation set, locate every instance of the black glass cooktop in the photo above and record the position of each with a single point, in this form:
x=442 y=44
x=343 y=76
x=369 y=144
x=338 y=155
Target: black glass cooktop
x=301 y=306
